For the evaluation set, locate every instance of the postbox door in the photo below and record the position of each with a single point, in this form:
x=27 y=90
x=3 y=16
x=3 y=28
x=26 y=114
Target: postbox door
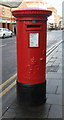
x=36 y=47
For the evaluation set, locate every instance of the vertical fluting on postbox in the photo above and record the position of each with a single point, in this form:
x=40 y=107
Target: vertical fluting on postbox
x=31 y=55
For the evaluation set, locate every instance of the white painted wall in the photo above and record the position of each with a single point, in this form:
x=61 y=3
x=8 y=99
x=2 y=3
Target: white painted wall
x=51 y=18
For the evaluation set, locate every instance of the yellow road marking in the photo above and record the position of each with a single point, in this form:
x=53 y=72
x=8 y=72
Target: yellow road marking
x=7 y=81
x=7 y=89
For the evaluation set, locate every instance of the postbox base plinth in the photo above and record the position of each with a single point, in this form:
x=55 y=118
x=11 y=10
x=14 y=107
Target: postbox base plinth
x=31 y=95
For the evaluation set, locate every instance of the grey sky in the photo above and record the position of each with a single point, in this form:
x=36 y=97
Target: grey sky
x=57 y=4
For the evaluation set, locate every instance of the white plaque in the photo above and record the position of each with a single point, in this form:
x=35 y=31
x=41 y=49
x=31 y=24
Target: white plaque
x=34 y=39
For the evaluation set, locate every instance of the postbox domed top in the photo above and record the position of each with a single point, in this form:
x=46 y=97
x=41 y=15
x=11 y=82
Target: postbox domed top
x=27 y=12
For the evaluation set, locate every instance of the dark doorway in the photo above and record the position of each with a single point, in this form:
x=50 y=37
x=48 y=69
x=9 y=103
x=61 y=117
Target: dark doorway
x=3 y=25
x=8 y=25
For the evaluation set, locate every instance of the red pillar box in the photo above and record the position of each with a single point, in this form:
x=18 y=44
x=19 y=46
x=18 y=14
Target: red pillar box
x=31 y=55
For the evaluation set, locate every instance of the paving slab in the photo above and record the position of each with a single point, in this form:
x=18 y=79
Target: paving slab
x=10 y=114
x=37 y=112
x=59 y=90
x=27 y=112
x=54 y=75
x=55 y=111
x=51 y=89
x=49 y=63
x=54 y=83
x=60 y=71
x=53 y=68
x=54 y=99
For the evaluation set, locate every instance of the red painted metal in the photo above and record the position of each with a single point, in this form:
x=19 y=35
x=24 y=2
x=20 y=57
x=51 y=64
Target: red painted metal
x=31 y=61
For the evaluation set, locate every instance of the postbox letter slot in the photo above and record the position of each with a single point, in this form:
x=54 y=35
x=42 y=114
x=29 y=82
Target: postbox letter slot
x=33 y=26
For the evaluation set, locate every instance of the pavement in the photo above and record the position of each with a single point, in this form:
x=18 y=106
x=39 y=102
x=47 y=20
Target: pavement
x=53 y=108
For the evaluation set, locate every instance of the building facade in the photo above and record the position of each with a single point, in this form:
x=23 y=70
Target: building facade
x=33 y=4
x=6 y=19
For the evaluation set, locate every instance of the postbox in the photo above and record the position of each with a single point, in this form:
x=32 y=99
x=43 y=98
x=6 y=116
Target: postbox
x=31 y=55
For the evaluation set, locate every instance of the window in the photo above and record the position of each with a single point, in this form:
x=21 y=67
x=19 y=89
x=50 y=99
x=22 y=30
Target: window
x=3 y=11
x=8 y=12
